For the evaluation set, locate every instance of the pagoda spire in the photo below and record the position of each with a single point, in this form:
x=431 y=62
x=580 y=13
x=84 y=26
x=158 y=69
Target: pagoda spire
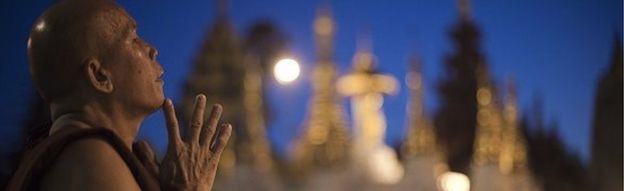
x=220 y=59
x=489 y=120
x=421 y=137
x=324 y=141
x=223 y=7
x=364 y=59
x=324 y=29
x=364 y=41
x=513 y=153
x=465 y=9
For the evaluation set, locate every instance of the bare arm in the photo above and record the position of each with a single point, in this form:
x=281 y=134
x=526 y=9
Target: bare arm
x=90 y=164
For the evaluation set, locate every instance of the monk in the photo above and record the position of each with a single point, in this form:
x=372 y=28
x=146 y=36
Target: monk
x=101 y=81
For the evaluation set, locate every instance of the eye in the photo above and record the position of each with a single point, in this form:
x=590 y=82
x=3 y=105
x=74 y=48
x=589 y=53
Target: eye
x=137 y=41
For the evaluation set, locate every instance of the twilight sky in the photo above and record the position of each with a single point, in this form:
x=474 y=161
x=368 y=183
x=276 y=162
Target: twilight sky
x=554 y=48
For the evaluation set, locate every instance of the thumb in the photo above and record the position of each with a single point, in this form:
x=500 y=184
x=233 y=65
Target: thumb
x=143 y=151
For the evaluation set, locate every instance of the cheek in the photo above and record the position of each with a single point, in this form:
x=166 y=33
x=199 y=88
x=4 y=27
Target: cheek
x=128 y=78
x=139 y=54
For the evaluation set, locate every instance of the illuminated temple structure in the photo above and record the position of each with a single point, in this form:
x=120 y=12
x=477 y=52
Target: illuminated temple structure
x=421 y=155
x=223 y=58
x=499 y=157
x=321 y=153
x=365 y=87
x=481 y=143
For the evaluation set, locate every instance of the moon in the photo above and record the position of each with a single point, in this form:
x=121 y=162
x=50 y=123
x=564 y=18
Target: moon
x=286 y=70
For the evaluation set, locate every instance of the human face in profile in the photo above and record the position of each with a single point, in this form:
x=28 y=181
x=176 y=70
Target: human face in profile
x=137 y=76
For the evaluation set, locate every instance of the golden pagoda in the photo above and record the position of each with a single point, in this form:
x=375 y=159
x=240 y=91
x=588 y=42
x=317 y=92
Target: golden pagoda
x=420 y=139
x=365 y=87
x=219 y=60
x=500 y=156
x=324 y=142
x=421 y=155
x=230 y=75
x=513 y=153
x=488 y=135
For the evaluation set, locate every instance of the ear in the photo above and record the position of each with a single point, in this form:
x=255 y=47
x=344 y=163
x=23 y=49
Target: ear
x=99 y=77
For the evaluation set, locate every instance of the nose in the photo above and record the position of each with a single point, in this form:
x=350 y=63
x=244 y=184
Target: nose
x=160 y=69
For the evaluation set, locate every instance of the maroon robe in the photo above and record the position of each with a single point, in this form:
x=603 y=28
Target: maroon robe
x=37 y=160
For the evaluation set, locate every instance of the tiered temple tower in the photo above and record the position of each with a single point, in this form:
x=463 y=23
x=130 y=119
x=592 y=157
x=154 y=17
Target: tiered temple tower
x=513 y=155
x=321 y=153
x=488 y=140
x=478 y=131
x=324 y=141
x=421 y=156
x=499 y=159
x=366 y=87
x=228 y=74
x=420 y=139
x=219 y=73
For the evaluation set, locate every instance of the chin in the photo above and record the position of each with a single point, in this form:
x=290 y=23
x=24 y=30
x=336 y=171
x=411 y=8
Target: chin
x=152 y=108
x=156 y=104
x=161 y=99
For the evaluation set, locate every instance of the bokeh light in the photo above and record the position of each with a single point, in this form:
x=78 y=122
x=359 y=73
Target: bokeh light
x=286 y=70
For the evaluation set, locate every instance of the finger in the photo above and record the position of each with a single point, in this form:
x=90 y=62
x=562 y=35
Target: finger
x=172 y=124
x=197 y=120
x=222 y=139
x=209 y=130
x=146 y=155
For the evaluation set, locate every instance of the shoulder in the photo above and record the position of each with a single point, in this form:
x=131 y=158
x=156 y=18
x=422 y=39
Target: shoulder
x=89 y=164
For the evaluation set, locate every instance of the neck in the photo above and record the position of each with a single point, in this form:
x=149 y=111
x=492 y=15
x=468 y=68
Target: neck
x=94 y=115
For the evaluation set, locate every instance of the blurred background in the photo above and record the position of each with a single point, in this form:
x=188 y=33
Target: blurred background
x=370 y=95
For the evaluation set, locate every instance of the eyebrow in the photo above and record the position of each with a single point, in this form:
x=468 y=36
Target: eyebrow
x=132 y=26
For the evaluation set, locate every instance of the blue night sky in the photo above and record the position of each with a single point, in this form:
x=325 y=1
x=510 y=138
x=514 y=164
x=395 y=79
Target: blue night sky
x=554 y=48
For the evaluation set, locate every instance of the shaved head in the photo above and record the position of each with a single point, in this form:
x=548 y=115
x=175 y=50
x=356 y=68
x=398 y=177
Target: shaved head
x=66 y=36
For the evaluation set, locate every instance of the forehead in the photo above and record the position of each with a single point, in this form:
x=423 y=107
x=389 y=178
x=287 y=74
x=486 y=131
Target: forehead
x=113 y=24
x=121 y=20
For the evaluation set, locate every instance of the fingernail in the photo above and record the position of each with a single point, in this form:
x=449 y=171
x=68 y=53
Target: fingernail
x=200 y=96
x=217 y=106
x=227 y=125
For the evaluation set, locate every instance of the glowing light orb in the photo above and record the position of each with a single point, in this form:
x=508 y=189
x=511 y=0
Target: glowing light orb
x=453 y=181
x=286 y=70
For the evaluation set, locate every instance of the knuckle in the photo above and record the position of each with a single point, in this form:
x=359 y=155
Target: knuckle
x=213 y=164
x=209 y=130
x=196 y=124
x=223 y=139
x=195 y=146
